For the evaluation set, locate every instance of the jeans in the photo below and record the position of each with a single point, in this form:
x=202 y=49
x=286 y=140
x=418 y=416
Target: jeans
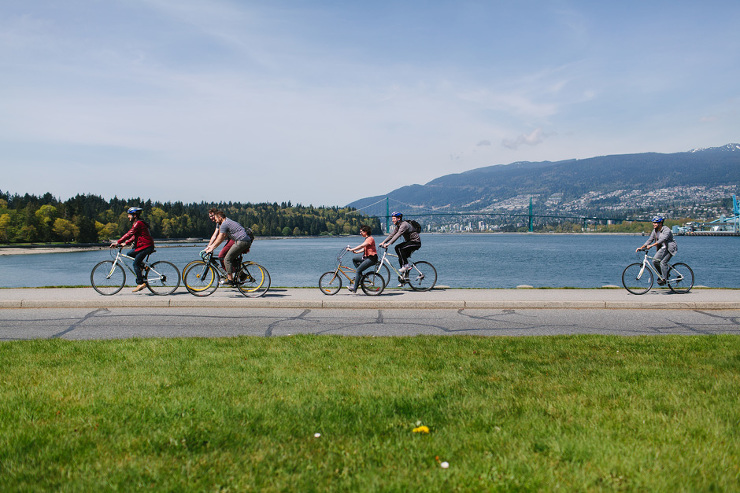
x=660 y=261
x=138 y=261
x=224 y=251
x=405 y=249
x=237 y=249
x=362 y=263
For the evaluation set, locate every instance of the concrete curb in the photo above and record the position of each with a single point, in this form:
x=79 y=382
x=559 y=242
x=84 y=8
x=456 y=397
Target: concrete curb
x=369 y=304
x=450 y=299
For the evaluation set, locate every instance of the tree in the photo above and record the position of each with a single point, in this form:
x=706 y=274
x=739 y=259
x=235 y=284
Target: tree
x=65 y=229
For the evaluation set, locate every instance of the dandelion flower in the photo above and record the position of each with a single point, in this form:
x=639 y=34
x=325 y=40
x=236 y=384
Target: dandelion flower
x=421 y=429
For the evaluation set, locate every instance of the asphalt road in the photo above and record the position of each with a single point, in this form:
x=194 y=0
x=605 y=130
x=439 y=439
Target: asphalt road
x=127 y=322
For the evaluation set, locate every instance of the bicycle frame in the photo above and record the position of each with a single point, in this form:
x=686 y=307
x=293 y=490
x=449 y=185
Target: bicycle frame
x=118 y=259
x=647 y=261
x=341 y=268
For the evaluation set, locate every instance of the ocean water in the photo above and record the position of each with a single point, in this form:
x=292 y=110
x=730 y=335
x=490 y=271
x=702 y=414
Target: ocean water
x=461 y=260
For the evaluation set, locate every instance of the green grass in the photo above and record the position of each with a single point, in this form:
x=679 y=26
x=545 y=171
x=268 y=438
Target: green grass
x=577 y=413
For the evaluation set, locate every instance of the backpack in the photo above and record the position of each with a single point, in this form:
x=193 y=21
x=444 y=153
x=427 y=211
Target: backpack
x=415 y=225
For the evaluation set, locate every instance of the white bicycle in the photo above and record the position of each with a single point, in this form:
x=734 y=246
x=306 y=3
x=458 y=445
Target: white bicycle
x=422 y=276
x=109 y=276
x=638 y=278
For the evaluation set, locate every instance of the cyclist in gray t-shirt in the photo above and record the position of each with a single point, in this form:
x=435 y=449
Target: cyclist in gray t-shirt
x=232 y=230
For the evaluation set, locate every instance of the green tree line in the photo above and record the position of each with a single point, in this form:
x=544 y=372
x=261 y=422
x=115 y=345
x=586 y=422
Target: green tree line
x=92 y=219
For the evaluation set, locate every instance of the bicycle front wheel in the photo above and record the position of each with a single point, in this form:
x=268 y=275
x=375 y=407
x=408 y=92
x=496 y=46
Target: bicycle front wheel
x=680 y=278
x=330 y=283
x=107 y=278
x=422 y=276
x=253 y=279
x=162 y=278
x=372 y=284
x=200 y=278
x=637 y=278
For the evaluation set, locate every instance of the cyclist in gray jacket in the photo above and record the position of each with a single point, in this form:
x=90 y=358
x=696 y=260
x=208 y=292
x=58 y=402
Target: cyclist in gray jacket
x=411 y=243
x=661 y=238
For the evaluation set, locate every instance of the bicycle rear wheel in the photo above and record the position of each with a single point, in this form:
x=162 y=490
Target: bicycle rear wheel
x=107 y=278
x=422 y=276
x=162 y=278
x=680 y=278
x=200 y=278
x=330 y=283
x=372 y=284
x=637 y=278
x=384 y=271
x=253 y=280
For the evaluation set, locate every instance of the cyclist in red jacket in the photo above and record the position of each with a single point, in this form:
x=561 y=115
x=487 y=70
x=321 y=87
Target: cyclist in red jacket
x=143 y=244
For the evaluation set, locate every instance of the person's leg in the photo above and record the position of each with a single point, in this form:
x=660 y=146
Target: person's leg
x=400 y=253
x=406 y=249
x=224 y=251
x=230 y=260
x=361 y=267
x=664 y=264
x=660 y=262
x=138 y=265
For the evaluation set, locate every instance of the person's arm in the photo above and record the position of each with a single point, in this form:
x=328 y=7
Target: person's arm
x=647 y=245
x=361 y=247
x=125 y=238
x=213 y=237
x=395 y=235
x=219 y=239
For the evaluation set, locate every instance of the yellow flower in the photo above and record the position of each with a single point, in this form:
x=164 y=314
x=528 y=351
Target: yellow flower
x=421 y=429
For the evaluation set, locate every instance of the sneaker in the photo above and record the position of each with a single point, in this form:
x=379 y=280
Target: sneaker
x=404 y=269
x=226 y=283
x=139 y=288
x=661 y=282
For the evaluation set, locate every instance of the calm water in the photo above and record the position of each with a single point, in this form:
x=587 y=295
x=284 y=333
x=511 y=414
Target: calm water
x=470 y=261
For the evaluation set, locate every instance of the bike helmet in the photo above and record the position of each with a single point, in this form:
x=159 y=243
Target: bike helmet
x=657 y=219
x=134 y=210
x=396 y=214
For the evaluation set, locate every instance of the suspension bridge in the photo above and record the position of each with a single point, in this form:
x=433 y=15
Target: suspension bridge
x=383 y=208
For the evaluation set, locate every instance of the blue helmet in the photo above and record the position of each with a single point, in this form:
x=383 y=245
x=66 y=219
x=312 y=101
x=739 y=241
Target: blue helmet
x=134 y=210
x=396 y=214
x=657 y=219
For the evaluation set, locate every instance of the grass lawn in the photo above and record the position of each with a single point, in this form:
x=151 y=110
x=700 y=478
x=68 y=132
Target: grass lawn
x=313 y=413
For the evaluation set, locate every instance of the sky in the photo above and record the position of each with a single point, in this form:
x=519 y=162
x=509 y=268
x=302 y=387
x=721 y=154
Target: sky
x=324 y=102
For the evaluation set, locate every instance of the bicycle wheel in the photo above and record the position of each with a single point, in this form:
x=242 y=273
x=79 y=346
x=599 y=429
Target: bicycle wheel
x=637 y=278
x=422 y=276
x=107 y=278
x=200 y=279
x=372 y=284
x=330 y=283
x=254 y=280
x=680 y=278
x=162 y=278
x=384 y=272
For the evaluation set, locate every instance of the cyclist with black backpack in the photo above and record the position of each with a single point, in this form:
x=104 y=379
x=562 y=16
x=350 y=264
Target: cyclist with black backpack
x=412 y=241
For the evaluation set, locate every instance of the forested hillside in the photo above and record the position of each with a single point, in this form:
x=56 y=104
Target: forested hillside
x=91 y=219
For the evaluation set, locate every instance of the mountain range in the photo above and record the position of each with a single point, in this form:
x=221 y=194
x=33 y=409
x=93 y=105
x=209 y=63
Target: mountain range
x=626 y=181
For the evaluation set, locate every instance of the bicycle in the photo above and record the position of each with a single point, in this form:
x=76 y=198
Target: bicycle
x=203 y=277
x=108 y=277
x=422 y=276
x=638 y=278
x=371 y=283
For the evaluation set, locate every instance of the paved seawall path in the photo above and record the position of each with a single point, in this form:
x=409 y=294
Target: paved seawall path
x=312 y=298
